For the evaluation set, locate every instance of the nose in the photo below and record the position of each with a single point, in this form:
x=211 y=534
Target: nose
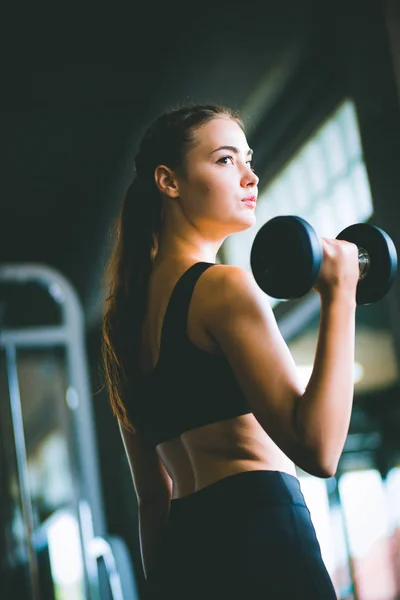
x=249 y=178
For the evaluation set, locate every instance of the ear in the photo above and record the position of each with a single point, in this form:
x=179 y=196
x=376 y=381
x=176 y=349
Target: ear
x=166 y=181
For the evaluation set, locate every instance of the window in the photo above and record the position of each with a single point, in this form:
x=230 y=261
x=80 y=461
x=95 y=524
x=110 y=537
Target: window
x=368 y=526
x=316 y=497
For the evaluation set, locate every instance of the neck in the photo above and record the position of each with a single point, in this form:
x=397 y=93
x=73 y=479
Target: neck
x=179 y=248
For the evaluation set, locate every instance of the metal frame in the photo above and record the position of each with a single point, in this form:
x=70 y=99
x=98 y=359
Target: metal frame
x=81 y=437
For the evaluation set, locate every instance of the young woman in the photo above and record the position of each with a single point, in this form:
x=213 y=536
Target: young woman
x=211 y=412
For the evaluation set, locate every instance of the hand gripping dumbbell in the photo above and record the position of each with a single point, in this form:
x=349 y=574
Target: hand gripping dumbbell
x=286 y=257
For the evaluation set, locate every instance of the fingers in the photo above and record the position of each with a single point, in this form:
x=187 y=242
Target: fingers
x=340 y=268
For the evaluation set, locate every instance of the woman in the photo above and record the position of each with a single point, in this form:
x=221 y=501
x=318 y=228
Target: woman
x=211 y=412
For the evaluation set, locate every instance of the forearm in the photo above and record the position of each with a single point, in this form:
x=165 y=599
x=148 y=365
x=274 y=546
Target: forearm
x=152 y=520
x=324 y=411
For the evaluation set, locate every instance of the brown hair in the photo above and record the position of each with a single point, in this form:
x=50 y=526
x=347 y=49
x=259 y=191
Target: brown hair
x=136 y=232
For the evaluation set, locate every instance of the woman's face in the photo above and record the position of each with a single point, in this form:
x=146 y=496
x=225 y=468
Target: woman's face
x=218 y=192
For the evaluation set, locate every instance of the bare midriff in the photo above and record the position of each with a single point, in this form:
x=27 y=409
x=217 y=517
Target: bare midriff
x=204 y=455
x=209 y=453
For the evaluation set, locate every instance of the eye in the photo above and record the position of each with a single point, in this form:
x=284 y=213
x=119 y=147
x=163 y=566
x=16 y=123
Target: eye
x=225 y=158
x=250 y=163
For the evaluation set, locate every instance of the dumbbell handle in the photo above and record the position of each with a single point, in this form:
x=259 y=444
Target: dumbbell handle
x=364 y=263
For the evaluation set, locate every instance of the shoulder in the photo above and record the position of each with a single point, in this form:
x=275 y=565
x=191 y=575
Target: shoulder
x=230 y=290
x=230 y=278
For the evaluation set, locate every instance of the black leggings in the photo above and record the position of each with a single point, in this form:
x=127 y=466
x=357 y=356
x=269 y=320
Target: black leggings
x=246 y=536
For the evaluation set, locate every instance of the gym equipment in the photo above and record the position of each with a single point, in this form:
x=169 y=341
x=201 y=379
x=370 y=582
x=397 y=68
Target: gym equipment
x=45 y=395
x=286 y=257
x=377 y=258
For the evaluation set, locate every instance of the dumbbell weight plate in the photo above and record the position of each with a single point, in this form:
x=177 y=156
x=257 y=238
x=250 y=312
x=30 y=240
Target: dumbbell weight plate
x=286 y=257
x=382 y=257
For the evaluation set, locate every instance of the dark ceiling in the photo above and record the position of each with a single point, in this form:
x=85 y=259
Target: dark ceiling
x=80 y=87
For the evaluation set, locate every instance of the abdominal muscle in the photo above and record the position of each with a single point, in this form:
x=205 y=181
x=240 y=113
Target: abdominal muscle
x=206 y=454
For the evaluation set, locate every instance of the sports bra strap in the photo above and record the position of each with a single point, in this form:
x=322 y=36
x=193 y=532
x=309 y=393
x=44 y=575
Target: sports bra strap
x=174 y=330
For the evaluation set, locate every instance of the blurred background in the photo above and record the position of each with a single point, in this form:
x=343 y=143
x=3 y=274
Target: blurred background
x=318 y=85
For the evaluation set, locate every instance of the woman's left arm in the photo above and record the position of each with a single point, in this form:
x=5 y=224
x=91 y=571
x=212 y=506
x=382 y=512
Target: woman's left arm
x=153 y=487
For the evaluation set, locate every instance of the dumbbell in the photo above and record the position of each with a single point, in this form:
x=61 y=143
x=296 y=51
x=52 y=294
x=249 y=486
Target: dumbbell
x=286 y=257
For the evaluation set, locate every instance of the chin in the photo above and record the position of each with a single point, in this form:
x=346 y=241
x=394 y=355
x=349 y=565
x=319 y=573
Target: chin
x=244 y=224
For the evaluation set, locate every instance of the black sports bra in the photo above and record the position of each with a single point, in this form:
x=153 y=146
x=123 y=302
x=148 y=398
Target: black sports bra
x=188 y=387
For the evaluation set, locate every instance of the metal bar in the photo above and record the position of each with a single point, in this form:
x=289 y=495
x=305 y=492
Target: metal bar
x=81 y=433
x=34 y=337
x=100 y=548
x=22 y=464
x=118 y=564
x=73 y=330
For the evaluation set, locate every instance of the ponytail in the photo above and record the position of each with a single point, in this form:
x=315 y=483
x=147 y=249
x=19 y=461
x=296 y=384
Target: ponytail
x=127 y=274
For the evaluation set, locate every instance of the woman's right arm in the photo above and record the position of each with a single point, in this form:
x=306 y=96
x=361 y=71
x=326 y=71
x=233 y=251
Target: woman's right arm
x=311 y=425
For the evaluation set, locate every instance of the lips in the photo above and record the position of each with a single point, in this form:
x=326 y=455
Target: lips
x=250 y=201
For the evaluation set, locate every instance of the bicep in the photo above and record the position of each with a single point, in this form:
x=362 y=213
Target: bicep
x=244 y=327
x=150 y=478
